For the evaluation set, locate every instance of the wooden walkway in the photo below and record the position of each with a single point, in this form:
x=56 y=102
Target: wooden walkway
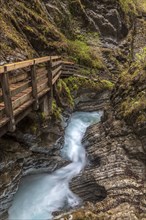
x=23 y=86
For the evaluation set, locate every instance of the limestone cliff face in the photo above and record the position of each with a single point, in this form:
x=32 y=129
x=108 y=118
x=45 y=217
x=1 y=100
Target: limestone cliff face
x=129 y=94
x=113 y=184
x=36 y=27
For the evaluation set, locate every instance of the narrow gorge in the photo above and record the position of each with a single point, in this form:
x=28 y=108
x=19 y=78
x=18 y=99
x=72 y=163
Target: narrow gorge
x=51 y=167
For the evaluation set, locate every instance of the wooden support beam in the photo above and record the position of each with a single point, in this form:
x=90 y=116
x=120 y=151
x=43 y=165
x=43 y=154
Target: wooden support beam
x=50 y=82
x=56 y=70
x=7 y=100
x=56 y=63
x=34 y=86
x=20 y=93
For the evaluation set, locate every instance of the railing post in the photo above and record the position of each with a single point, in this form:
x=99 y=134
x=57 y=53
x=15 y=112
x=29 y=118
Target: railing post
x=34 y=86
x=7 y=99
x=50 y=78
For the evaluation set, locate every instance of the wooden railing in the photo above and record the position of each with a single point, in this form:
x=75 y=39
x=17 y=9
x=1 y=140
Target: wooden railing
x=72 y=69
x=23 y=84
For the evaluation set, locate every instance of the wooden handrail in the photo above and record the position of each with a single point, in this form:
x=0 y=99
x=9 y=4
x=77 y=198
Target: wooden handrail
x=27 y=63
x=20 y=93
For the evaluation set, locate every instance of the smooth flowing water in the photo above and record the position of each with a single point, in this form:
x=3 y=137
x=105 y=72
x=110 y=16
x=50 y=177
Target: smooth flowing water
x=41 y=195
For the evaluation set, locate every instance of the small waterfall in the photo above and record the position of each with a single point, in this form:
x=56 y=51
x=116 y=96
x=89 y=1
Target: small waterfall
x=40 y=195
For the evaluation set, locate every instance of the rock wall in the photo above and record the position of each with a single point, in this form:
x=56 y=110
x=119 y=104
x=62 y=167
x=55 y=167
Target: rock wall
x=25 y=153
x=34 y=28
x=113 y=185
x=139 y=40
x=128 y=96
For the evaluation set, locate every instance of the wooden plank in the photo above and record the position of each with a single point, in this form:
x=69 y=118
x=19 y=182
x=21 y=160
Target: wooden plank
x=4 y=121
x=26 y=63
x=55 y=71
x=50 y=84
x=41 y=70
x=42 y=77
x=2 y=112
x=21 y=98
x=34 y=86
x=69 y=70
x=18 y=65
x=23 y=107
x=42 y=86
x=18 y=78
x=55 y=58
x=67 y=73
x=2 y=106
x=50 y=75
x=1 y=69
x=42 y=80
x=19 y=87
x=7 y=99
x=67 y=62
x=44 y=92
x=69 y=67
x=56 y=63
x=56 y=77
x=42 y=60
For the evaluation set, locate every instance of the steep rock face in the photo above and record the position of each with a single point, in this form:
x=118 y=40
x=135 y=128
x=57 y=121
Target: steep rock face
x=23 y=25
x=105 y=17
x=129 y=94
x=44 y=27
x=139 y=41
x=23 y=154
x=109 y=19
x=116 y=171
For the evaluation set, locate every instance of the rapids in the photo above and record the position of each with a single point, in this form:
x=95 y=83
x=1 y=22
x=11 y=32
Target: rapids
x=40 y=195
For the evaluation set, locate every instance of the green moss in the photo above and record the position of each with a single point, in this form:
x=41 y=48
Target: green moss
x=65 y=93
x=141 y=118
x=56 y=111
x=27 y=28
x=34 y=129
x=128 y=6
x=13 y=39
x=76 y=83
x=141 y=58
x=132 y=105
x=76 y=7
x=141 y=5
x=81 y=53
x=107 y=84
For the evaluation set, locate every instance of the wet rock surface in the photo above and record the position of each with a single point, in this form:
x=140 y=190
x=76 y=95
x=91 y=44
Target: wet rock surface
x=23 y=154
x=117 y=182
x=113 y=185
x=58 y=20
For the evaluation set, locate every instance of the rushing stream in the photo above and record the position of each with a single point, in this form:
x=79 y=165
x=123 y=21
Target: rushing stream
x=40 y=195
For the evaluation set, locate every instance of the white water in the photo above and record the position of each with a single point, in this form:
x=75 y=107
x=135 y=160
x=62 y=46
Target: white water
x=40 y=195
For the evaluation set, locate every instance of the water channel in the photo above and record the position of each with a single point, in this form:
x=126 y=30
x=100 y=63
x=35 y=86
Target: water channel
x=40 y=195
